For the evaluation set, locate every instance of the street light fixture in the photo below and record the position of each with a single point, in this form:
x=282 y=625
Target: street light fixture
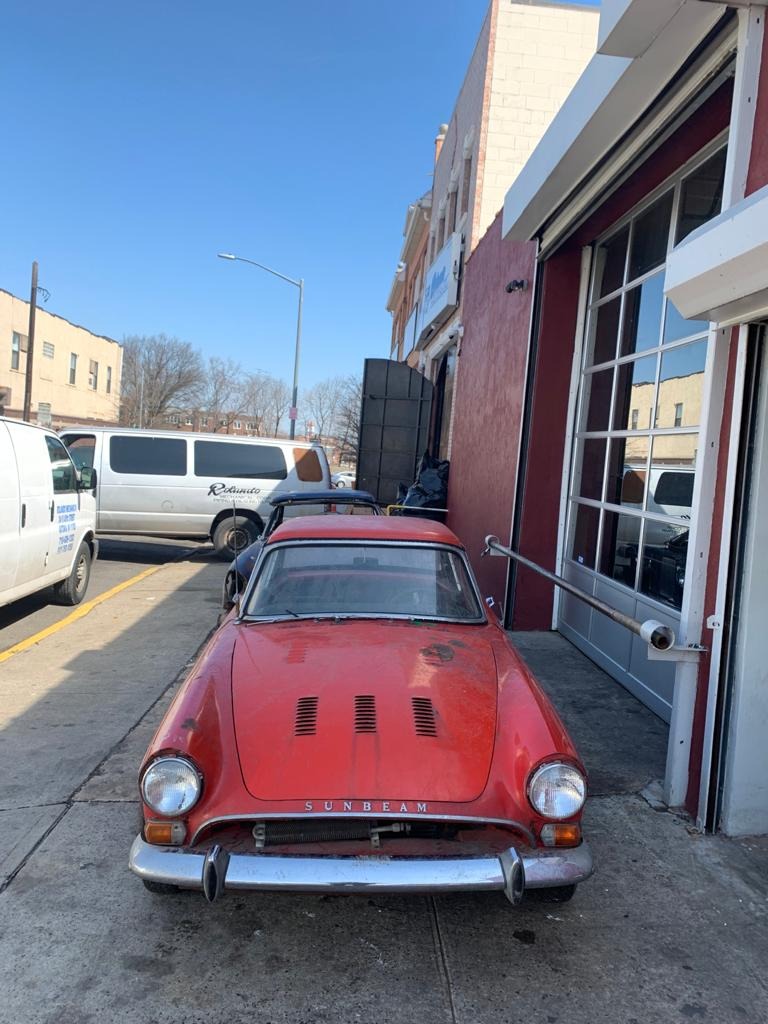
x=300 y=285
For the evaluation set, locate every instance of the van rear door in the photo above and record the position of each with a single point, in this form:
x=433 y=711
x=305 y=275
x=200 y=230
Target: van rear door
x=36 y=497
x=10 y=512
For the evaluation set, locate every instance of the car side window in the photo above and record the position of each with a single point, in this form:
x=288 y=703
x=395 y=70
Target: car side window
x=62 y=468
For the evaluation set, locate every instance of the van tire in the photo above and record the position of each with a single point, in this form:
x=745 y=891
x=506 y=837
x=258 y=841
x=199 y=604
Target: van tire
x=233 y=530
x=72 y=590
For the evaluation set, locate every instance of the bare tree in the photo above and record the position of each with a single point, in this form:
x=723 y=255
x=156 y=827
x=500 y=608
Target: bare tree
x=324 y=402
x=279 y=402
x=158 y=374
x=221 y=392
x=256 y=399
x=348 y=419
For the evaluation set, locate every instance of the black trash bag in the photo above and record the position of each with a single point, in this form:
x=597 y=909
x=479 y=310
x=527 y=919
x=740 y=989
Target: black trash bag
x=430 y=491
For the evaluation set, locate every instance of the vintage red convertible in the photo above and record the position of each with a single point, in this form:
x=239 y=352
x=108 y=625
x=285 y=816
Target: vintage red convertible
x=361 y=723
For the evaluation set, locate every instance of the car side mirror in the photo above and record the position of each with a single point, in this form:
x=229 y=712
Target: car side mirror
x=87 y=480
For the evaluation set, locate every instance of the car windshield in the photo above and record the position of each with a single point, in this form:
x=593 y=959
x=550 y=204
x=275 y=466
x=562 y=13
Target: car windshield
x=327 y=579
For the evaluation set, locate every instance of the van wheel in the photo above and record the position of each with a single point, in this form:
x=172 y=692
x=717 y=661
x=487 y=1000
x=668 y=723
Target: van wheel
x=72 y=589
x=232 y=533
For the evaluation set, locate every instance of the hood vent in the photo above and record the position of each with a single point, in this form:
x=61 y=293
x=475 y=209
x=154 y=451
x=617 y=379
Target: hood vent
x=306 y=716
x=424 y=716
x=365 y=714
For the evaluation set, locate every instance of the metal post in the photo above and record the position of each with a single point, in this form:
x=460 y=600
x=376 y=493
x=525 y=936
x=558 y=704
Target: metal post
x=30 y=346
x=295 y=393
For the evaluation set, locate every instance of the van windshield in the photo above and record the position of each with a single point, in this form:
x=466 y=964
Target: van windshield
x=383 y=580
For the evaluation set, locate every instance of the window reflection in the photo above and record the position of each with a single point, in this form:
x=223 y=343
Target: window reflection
x=701 y=195
x=651 y=237
x=673 y=463
x=635 y=390
x=662 y=575
x=642 y=316
x=619 y=547
x=677 y=327
x=681 y=383
x=627 y=460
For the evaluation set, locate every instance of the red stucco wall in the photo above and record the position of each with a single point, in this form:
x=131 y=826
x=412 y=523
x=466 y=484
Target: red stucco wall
x=490 y=383
x=541 y=496
x=758 y=164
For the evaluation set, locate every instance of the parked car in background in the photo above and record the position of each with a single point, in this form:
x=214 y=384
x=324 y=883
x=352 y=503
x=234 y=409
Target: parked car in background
x=47 y=516
x=293 y=503
x=174 y=484
x=345 y=478
x=361 y=725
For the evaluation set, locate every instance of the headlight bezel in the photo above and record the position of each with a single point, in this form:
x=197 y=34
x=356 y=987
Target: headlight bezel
x=175 y=759
x=538 y=774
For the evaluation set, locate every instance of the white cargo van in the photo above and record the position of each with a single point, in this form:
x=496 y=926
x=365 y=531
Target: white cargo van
x=172 y=484
x=47 y=516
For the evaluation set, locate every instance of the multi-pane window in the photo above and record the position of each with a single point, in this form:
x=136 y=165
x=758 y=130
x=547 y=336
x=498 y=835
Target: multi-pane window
x=641 y=396
x=109 y=380
x=16 y=348
x=73 y=368
x=465 y=181
x=93 y=374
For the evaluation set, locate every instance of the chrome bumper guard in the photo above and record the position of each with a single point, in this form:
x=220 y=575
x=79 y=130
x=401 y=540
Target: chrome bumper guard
x=212 y=873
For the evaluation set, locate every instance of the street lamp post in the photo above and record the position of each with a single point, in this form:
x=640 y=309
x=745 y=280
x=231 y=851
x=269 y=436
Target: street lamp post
x=300 y=285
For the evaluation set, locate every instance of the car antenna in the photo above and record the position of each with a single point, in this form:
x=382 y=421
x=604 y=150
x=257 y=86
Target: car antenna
x=234 y=545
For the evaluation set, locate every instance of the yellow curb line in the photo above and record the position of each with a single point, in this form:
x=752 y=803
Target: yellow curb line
x=78 y=613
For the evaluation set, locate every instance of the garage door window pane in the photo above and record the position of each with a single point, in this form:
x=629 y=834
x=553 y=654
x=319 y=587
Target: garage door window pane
x=584 y=523
x=246 y=461
x=635 y=390
x=597 y=397
x=619 y=548
x=626 y=471
x=701 y=195
x=152 y=456
x=604 y=329
x=642 y=316
x=681 y=382
x=609 y=264
x=651 y=237
x=590 y=465
x=663 y=566
x=677 y=327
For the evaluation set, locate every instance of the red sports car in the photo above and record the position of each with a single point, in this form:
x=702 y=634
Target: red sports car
x=361 y=723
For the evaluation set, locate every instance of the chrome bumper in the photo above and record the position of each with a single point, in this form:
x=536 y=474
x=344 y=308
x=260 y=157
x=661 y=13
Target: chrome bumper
x=509 y=872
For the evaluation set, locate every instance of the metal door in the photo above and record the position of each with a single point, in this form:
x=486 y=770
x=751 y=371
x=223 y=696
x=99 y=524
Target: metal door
x=394 y=427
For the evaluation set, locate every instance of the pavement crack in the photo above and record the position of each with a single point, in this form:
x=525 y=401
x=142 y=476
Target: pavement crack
x=6 y=882
x=442 y=957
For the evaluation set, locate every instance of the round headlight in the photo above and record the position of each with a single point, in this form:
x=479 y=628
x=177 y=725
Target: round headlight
x=557 y=790
x=171 y=785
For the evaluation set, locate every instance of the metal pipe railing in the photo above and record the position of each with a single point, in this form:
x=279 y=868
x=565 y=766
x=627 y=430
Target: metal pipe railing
x=655 y=634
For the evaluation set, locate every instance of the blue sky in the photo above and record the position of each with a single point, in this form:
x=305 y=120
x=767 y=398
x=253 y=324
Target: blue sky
x=142 y=138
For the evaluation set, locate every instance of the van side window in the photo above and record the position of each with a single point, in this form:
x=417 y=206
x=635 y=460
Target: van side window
x=308 y=468
x=153 y=456
x=247 y=461
x=674 y=489
x=62 y=469
x=82 y=448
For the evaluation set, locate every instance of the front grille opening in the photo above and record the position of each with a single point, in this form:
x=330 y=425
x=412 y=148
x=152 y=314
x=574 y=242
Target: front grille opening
x=365 y=713
x=424 y=716
x=306 y=716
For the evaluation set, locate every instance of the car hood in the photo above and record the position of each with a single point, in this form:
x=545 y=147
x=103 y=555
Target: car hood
x=356 y=709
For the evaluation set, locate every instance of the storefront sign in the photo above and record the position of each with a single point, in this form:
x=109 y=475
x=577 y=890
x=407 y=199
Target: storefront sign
x=441 y=288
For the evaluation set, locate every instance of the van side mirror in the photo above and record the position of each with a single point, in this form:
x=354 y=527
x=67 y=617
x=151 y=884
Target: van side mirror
x=87 y=480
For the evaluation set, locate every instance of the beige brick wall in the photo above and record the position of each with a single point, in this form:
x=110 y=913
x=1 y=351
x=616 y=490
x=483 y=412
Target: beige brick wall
x=50 y=382
x=540 y=51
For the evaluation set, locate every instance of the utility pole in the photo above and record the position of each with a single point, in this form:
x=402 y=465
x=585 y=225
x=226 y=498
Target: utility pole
x=295 y=392
x=30 y=346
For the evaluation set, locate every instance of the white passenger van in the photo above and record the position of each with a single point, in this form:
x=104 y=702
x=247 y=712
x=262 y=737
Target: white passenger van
x=47 y=516
x=172 y=484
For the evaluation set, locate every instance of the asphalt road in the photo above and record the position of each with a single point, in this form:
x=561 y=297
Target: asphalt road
x=673 y=928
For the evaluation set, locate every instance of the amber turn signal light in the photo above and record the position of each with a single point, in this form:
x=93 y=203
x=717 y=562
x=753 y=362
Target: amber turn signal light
x=164 y=833
x=561 y=834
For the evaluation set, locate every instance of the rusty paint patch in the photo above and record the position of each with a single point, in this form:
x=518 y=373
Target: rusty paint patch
x=438 y=652
x=189 y=723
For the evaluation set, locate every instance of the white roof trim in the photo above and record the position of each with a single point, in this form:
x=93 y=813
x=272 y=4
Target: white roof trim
x=611 y=95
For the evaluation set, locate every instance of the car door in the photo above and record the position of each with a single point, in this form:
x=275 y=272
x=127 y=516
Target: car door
x=64 y=506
